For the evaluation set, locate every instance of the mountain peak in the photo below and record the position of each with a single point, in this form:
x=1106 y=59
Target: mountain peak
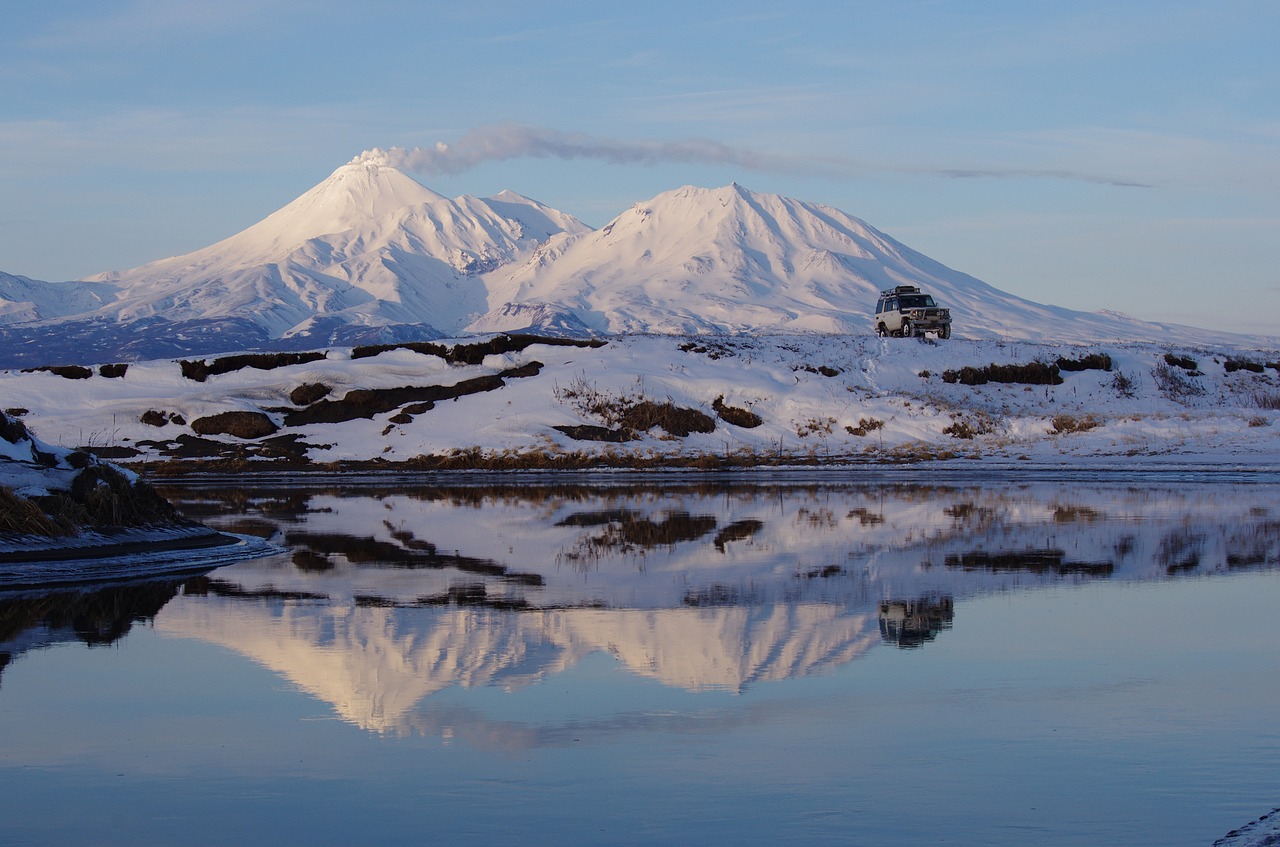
x=361 y=190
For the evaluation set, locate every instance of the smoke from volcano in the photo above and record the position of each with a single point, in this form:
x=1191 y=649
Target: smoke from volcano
x=511 y=141
x=499 y=142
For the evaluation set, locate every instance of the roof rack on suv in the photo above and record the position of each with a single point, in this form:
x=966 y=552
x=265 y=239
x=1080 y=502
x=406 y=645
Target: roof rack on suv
x=901 y=289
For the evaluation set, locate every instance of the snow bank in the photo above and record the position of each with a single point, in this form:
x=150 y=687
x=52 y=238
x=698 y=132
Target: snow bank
x=819 y=400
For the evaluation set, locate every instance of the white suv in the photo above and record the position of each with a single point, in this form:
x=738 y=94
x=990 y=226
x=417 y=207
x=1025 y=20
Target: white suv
x=905 y=312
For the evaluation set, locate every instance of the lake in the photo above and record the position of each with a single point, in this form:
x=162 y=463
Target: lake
x=665 y=659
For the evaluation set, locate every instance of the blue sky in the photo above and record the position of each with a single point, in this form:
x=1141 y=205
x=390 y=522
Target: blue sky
x=1121 y=155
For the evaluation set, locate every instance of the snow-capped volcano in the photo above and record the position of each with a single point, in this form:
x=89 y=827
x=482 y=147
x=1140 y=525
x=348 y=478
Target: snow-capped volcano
x=699 y=260
x=368 y=244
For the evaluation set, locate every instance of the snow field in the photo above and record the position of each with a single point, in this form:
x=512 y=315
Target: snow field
x=829 y=397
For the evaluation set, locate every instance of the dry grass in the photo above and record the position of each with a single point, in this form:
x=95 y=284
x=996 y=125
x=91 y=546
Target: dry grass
x=1184 y=362
x=1233 y=365
x=108 y=498
x=1090 y=362
x=20 y=516
x=65 y=371
x=865 y=427
x=1176 y=384
x=308 y=393
x=100 y=497
x=1064 y=423
x=367 y=402
x=1123 y=385
x=814 y=426
x=473 y=354
x=13 y=430
x=1264 y=399
x=626 y=417
x=199 y=370
x=238 y=424
x=971 y=427
x=735 y=415
x=1033 y=373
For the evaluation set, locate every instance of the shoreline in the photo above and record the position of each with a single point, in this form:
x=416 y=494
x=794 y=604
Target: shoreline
x=1202 y=468
x=96 y=558
x=84 y=551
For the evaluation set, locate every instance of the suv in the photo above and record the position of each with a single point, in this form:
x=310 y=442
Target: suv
x=905 y=312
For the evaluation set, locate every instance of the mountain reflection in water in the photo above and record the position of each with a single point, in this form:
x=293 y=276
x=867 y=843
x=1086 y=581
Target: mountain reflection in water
x=391 y=593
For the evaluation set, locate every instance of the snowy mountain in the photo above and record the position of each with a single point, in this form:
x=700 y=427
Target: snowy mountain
x=366 y=256
x=728 y=260
x=368 y=244
x=371 y=256
x=23 y=299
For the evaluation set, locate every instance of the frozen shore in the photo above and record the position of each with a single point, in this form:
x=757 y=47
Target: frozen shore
x=28 y=563
x=67 y=518
x=1263 y=832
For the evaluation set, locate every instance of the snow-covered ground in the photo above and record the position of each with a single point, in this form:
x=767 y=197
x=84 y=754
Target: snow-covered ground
x=126 y=547
x=1263 y=832
x=817 y=398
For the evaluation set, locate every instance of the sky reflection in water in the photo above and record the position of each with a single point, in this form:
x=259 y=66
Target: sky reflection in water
x=658 y=664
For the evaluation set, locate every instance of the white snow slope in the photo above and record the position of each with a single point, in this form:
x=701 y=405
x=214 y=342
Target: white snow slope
x=371 y=247
x=23 y=299
x=818 y=398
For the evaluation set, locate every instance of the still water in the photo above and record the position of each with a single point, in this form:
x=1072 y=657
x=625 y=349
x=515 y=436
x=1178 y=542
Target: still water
x=674 y=661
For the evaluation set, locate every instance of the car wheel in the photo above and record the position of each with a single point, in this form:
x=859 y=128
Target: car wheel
x=908 y=331
x=945 y=332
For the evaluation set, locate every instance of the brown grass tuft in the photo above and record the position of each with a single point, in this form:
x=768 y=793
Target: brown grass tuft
x=199 y=370
x=20 y=516
x=735 y=415
x=65 y=371
x=13 y=430
x=1064 y=423
x=1033 y=373
x=237 y=424
x=308 y=393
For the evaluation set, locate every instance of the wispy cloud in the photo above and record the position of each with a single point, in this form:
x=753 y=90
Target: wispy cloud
x=1034 y=173
x=500 y=142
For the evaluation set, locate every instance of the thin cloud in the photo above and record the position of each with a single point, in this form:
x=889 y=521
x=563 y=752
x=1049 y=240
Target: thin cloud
x=501 y=142
x=1010 y=173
